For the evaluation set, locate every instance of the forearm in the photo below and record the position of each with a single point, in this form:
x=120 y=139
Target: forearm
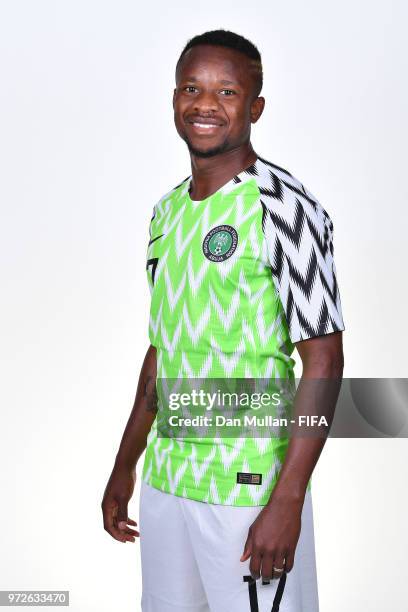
x=300 y=461
x=316 y=395
x=143 y=414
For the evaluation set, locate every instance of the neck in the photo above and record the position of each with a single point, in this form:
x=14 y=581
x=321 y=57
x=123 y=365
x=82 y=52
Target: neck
x=209 y=174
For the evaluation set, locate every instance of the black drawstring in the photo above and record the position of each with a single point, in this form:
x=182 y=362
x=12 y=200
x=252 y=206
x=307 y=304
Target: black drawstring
x=279 y=593
x=253 y=597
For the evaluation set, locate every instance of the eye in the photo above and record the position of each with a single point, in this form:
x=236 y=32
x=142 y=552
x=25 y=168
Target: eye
x=228 y=92
x=190 y=89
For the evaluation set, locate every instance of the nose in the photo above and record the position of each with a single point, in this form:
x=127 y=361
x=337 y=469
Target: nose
x=205 y=102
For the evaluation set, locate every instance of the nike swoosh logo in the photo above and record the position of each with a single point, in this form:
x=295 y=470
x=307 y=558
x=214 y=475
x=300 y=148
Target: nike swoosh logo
x=154 y=239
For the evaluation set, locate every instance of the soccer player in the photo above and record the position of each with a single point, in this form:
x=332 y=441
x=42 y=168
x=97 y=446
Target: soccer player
x=241 y=272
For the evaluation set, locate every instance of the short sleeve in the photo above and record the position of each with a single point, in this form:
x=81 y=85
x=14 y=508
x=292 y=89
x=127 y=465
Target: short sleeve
x=299 y=237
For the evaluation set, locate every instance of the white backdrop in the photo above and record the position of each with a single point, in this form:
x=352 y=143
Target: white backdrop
x=87 y=146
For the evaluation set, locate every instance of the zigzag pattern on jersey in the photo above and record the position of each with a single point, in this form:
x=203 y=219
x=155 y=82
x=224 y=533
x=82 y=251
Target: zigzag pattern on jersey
x=234 y=318
x=211 y=321
x=183 y=286
x=299 y=238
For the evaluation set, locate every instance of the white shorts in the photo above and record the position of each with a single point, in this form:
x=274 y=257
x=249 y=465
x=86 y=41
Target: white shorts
x=190 y=553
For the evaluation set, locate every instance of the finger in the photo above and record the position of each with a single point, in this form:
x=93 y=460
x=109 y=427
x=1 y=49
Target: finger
x=132 y=532
x=290 y=560
x=128 y=538
x=116 y=533
x=255 y=565
x=125 y=535
x=123 y=526
x=278 y=564
x=247 y=549
x=267 y=567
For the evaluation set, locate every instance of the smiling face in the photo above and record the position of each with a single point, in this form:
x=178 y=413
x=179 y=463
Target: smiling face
x=215 y=99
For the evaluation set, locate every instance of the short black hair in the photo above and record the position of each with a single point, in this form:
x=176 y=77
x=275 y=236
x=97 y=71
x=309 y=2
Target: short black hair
x=230 y=40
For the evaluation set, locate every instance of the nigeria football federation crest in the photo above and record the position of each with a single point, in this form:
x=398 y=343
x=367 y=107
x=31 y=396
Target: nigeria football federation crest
x=220 y=243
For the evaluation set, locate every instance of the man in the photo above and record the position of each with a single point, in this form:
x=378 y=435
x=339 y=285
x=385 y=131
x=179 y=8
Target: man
x=241 y=271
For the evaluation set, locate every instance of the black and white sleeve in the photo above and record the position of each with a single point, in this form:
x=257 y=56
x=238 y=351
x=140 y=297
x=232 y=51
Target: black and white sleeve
x=299 y=237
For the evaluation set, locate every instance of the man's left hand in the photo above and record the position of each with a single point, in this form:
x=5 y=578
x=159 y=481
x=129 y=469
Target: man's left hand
x=272 y=538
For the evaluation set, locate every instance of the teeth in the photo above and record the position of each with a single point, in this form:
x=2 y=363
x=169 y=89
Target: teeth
x=205 y=125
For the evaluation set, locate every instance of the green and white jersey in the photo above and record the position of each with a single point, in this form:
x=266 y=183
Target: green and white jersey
x=236 y=279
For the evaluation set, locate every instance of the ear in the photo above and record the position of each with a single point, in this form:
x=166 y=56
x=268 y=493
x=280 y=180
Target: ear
x=174 y=96
x=257 y=107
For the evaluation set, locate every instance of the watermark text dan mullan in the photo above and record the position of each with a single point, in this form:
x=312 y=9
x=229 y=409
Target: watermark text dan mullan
x=243 y=403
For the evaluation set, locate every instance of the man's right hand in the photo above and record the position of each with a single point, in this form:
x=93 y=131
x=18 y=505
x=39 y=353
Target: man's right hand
x=118 y=492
